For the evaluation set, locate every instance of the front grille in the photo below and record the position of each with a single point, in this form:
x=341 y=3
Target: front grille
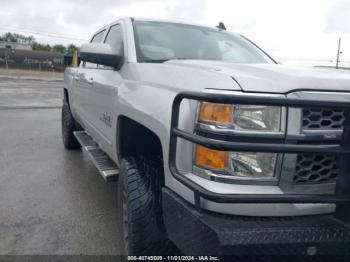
x=323 y=119
x=312 y=168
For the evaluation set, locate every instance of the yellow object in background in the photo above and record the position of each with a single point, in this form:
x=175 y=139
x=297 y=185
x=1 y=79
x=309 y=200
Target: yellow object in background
x=209 y=158
x=75 y=59
x=218 y=113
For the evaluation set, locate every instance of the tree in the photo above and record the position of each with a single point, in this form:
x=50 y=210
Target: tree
x=41 y=47
x=71 y=48
x=17 y=38
x=9 y=37
x=59 y=48
x=30 y=40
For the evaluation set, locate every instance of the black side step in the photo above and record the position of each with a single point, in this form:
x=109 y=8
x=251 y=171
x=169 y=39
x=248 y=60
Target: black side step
x=106 y=166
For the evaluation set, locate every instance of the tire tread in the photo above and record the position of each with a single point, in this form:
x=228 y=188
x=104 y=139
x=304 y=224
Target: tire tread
x=69 y=125
x=140 y=175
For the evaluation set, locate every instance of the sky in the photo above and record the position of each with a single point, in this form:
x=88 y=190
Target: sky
x=289 y=30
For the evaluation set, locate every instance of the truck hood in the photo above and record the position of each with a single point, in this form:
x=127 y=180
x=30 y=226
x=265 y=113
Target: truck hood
x=275 y=78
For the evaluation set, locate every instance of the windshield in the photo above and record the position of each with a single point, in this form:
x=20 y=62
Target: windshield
x=161 y=41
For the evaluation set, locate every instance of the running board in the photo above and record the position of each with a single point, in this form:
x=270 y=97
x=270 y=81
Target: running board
x=106 y=166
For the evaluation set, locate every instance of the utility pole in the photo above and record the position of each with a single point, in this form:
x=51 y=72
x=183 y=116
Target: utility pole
x=7 y=55
x=338 y=54
x=7 y=65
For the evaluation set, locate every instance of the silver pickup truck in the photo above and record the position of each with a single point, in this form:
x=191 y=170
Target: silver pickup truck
x=215 y=146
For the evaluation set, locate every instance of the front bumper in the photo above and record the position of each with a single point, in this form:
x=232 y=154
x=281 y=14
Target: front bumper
x=199 y=232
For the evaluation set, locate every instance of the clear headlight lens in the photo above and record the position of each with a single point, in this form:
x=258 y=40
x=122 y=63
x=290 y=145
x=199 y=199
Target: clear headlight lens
x=253 y=164
x=257 y=118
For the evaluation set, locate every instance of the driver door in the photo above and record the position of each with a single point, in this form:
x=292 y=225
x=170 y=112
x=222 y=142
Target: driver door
x=106 y=81
x=84 y=87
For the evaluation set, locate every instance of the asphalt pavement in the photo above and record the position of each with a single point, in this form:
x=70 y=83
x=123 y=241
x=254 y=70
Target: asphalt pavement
x=52 y=201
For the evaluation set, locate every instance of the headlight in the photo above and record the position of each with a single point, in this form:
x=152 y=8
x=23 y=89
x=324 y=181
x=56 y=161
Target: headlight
x=257 y=118
x=250 y=119
x=237 y=164
x=253 y=164
x=241 y=117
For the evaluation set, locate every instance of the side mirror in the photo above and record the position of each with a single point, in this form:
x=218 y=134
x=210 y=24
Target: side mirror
x=101 y=54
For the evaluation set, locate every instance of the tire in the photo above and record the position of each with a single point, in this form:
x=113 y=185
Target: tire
x=69 y=125
x=141 y=227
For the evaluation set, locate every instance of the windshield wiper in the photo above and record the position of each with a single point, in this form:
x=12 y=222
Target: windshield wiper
x=164 y=60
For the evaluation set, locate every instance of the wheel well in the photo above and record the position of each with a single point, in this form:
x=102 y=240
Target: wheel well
x=135 y=139
x=65 y=95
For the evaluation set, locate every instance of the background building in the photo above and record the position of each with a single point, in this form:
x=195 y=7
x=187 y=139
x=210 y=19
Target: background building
x=15 y=45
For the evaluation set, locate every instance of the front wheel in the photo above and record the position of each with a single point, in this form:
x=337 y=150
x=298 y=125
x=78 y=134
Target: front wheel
x=69 y=125
x=139 y=206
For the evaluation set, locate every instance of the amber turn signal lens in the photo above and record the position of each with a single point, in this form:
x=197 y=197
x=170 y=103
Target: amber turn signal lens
x=209 y=158
x=218 y=113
